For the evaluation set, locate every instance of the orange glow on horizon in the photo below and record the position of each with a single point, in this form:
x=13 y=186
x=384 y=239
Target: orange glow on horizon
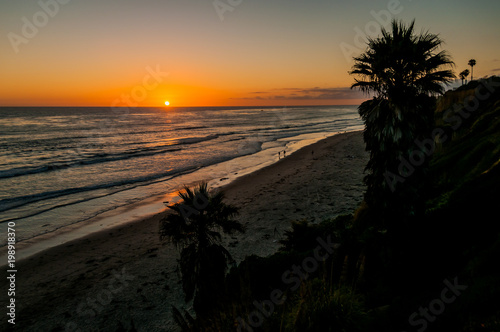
x=135 y=55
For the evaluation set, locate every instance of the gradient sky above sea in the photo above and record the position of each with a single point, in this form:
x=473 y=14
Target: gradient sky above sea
x=281 y=52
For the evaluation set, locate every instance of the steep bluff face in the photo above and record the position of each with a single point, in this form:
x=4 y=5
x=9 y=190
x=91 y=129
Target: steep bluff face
x=483 y=89
x=470 y=116
x=453 y=97
x=471 y=109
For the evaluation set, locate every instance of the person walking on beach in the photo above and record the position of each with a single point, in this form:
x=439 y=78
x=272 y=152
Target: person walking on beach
x=279 y=155
x=284 y=153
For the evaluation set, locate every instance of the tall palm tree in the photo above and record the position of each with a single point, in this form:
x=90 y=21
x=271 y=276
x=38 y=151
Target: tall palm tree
x=463 y=75
x=472 y=63
x=195 y=227
x=402 y=71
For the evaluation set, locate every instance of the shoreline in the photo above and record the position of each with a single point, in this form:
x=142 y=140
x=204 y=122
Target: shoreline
x=220 y=175
x=302 y=185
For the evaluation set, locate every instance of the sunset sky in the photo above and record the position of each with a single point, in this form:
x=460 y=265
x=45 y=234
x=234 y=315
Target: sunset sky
x=215 y=53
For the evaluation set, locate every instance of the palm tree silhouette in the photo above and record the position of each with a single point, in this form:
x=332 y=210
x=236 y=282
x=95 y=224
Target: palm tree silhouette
x=463 y=75
x=472 y=63
x=403 y=71
x=196 y=227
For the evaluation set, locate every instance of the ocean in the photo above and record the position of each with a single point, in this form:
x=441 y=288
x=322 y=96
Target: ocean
x=62 y=166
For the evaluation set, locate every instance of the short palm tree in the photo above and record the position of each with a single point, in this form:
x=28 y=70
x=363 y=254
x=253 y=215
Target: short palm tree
x=463 y=75
x=402 y=71
x=195 y=227
x=472 y=63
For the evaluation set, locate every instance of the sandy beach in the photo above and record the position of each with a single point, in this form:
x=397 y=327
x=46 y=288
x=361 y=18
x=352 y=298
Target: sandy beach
x=108 y=280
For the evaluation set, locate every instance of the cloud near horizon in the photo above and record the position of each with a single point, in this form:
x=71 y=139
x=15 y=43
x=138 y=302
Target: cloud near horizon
x=315 y=93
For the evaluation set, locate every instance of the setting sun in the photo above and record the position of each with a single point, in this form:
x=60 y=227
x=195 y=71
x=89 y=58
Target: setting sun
x=167 y=103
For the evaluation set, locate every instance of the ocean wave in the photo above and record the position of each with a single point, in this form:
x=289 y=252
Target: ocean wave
x=191 y=128
x=288 y=126
x=16 y=202
x=173 y=146
x=97 y=133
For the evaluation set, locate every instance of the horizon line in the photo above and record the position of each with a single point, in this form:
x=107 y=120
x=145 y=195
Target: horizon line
x=166 y=107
